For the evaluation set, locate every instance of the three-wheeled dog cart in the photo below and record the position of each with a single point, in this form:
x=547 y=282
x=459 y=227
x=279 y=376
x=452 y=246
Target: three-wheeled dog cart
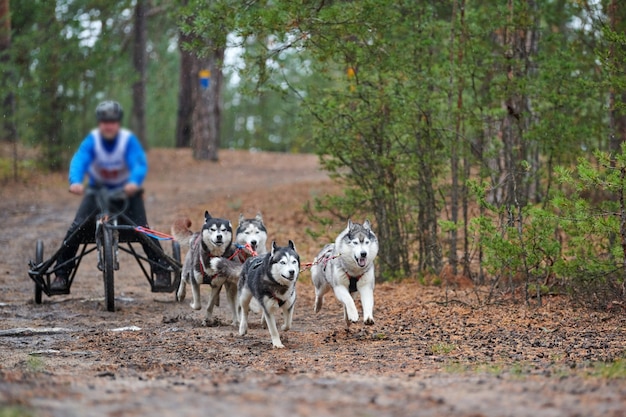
x=114 y=231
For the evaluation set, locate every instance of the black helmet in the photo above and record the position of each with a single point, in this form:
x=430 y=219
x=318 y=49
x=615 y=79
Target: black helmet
x=110 y=111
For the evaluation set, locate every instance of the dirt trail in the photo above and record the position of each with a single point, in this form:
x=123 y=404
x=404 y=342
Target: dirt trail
x=153 y=355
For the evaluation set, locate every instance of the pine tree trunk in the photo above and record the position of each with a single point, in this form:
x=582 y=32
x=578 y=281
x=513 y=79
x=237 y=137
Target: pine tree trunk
x=454 y=156
x=138 y=119
x=617 y=99
x=206 y=114
x=51 y=104
x=521 y=43
x=9 y=131
x=187 y=88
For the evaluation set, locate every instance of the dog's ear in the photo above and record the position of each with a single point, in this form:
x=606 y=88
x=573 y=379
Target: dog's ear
x=259 y=217
x=367 y=225
x=350 y=224
x=273 y=247
x=292 y=246
x=207 y=216
x=230 y=226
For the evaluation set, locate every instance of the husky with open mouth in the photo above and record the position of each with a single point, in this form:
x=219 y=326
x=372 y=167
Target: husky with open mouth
x=347 y=267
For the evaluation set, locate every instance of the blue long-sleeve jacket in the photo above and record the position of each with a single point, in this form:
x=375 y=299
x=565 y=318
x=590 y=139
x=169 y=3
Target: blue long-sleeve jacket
x=135 y=158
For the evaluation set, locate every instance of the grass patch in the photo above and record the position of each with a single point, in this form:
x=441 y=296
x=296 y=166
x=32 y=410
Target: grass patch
x=609 y=370
x=14 y=411
x=35 y=363
x=442 y=348
x=457 y=368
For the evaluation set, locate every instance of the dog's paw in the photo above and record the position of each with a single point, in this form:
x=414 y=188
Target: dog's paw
x=195 y=306
x=278 y=345
x=369 y=321
x=180 y=296
x=243 y=330
x=285 y=327
x=353 y=318
x=210 y=322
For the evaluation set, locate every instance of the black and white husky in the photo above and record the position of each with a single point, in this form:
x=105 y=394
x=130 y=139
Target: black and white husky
x=271 y=281
x=214 y=240
x=347 y=266
x=251 y=240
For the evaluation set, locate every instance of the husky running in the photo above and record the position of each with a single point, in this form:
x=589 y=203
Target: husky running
x=271 y=281
x=214 y=240
x=347 y=267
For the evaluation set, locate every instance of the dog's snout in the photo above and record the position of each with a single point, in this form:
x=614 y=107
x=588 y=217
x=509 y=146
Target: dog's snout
x=292 y=272
x=218 y=237
x=363 y=254
x=253 y=242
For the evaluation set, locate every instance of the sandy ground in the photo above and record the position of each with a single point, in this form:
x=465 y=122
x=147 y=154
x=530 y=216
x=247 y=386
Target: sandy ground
x=69 y=357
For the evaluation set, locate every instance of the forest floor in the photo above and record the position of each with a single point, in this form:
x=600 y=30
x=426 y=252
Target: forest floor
x=70 y=357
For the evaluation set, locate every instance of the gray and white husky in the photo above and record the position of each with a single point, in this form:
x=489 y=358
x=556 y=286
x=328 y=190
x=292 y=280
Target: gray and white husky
x=214 y=240
x=252 y=232
x=347 y=266
x=271 y=281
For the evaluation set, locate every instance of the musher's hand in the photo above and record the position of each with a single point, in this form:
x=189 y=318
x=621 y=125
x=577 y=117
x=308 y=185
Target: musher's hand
x=131 y=189
x=77 y=189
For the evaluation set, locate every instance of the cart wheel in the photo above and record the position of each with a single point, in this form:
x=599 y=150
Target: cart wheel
x=176 y=256
x=38 y=261
x=108 y=268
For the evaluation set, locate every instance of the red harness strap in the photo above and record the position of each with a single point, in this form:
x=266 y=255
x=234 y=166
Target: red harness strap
x=280 y=302
x=243 y=252
x=353 y=280
x=200 y=261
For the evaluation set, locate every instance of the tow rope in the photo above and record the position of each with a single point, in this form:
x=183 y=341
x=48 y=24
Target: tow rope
x=154 y=233
x=323 y=260
x=247 y=249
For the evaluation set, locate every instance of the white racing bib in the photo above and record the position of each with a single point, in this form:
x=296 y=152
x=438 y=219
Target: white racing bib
x=109 y=168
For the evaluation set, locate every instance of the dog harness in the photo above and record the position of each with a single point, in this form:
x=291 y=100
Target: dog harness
x=280 y=302
x=206 y=279
x=353 y=281
x=109 y=167
x=243 y=252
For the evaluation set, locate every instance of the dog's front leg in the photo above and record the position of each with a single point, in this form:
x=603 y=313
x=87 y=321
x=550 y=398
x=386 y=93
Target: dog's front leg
x=196 y=304
x=182 y=289
x=367 y=301
x=244 y=303
x=231 y=294
x=344 y=296
x=271 y=325
x=288 y=314
x=213 y=298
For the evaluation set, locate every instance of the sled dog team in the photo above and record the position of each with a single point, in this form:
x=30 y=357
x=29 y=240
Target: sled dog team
x=263 y=281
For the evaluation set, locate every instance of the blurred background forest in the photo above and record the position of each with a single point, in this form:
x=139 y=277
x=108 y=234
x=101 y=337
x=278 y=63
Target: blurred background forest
x=484 y=137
